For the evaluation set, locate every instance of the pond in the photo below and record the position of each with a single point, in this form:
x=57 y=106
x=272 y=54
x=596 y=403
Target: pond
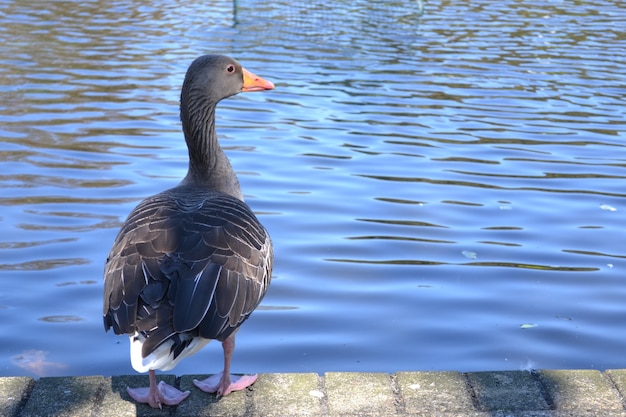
x=445 y=188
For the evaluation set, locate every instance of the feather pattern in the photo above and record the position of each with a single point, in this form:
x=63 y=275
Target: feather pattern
x=188 y=263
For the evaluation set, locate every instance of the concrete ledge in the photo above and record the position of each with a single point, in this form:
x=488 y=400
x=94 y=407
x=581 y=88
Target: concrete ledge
x=546 y=393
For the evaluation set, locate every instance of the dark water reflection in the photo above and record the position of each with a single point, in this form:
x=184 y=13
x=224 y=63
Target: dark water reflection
x=445 y=191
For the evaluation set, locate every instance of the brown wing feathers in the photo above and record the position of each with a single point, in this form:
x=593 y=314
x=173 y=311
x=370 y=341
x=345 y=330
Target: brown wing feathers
x=197 y=265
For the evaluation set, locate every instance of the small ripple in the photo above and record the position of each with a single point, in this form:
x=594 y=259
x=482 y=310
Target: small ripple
x=44 y=265
x=61 y=319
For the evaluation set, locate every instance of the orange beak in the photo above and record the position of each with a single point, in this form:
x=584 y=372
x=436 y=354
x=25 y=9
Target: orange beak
x=253 y=82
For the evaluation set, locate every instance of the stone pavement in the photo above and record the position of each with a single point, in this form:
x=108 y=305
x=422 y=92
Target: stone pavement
x=545 y=393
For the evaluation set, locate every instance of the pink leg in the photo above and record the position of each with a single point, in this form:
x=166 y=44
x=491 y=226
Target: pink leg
x=224 y=383
x=157 y=395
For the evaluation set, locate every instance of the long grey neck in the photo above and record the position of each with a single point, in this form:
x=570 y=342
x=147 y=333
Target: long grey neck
x=208 y=165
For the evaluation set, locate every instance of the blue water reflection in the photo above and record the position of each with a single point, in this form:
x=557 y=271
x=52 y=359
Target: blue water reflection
x=444 y=190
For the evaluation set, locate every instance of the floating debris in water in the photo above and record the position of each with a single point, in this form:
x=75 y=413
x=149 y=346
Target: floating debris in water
x=528 y=325
x=469 y=254
x=35 y=361
x=530 y=366
x=607 y=207
x=505 y=205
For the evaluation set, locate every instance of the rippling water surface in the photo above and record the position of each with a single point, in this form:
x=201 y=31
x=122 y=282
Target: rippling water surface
x=446 y=190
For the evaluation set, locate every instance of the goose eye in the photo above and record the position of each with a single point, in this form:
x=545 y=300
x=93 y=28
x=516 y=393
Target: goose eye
x=230 y=69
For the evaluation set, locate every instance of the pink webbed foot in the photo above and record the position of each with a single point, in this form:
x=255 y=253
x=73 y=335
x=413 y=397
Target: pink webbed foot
x=225 y=384
x=163 y=394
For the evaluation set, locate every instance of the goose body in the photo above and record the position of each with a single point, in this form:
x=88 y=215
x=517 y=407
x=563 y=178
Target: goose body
x=191 y=263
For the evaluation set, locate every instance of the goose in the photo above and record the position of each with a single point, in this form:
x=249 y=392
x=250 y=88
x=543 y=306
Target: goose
x=190 y=264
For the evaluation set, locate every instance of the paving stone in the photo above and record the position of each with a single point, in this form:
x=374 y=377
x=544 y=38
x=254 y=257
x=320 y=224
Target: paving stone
x=13 y=392
x=202 y=404
x=456 y=414
x=618 y=377
x=116 y=402
x=359 y=394
x=427 y=393
x=61 y=397
x=507 y=390
x=277 y=395
x=581 y=390
x=542 y=413
x=575 y=413
x=582 y=393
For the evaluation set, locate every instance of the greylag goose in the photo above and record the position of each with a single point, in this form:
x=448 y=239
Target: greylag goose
x=191 y=263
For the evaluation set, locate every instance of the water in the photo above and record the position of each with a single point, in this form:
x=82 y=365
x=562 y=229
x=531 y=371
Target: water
x=445 y=191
